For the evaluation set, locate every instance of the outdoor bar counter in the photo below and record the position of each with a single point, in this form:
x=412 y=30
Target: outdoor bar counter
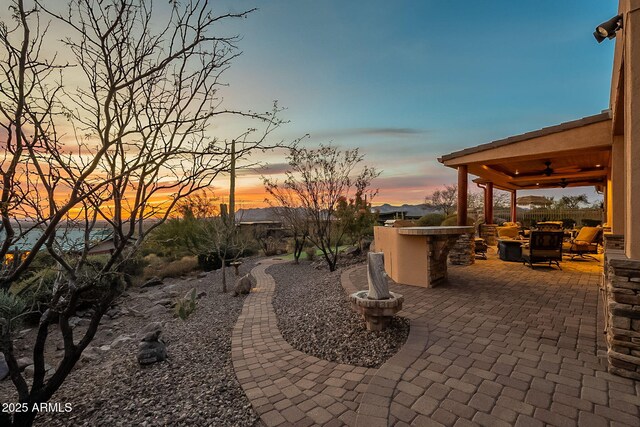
x=417 y=255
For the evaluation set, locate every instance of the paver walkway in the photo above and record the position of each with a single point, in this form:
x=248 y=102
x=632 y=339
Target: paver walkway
x=501 y=344
x=284 y=385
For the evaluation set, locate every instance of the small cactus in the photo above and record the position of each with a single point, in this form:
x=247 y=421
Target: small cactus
x=186 y=305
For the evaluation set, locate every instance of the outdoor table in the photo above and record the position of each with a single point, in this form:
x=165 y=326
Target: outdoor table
x=417 y=255
x=510 y=249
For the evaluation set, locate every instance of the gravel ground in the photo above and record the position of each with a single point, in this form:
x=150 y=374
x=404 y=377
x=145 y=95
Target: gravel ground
x=196 y=386
x=315 y=317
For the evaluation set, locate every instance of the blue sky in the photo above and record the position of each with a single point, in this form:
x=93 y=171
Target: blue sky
x=408 y=81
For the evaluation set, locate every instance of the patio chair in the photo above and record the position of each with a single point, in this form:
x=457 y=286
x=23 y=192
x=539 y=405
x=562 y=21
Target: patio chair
x=585 y=243
x=549 y=226
x=507 y=232
x=544 y=246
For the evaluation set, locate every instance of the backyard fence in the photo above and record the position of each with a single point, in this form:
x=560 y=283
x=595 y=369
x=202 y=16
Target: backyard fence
x=567 y=216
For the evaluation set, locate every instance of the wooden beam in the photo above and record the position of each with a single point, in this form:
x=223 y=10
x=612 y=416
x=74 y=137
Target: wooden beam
x=462 y=194
x=488 y=203
x=558 y=176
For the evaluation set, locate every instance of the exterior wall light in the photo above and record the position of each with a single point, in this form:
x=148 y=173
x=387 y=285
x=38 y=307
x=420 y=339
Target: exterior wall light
x=608 y=29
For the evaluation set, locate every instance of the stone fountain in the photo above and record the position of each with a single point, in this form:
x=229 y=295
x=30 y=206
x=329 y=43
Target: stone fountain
x=377 y=305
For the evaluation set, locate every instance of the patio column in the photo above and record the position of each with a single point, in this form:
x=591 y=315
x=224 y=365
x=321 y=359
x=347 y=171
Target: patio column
x=632 y=129
x=488 y=203
x=462 y=194
x=616 y=193
x=514 y=208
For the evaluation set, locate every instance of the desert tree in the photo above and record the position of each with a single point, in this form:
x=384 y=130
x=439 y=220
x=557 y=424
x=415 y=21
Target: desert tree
x=294 y=217
x=317 y=179
x=572 y=202
x=444 y=199
x=122 y=147
x=357 y=217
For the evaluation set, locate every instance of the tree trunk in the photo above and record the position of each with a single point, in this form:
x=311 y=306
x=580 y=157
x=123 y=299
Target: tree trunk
x=24 y=419
x=298 y=246
x=224 y=275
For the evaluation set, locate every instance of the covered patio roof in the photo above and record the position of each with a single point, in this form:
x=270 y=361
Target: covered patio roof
x=571 y=154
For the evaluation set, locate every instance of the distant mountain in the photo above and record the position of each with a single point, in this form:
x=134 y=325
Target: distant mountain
x=406 y=211
x=271 y=214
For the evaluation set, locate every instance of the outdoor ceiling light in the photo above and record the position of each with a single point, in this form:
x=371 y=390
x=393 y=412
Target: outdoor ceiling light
x=608 y=29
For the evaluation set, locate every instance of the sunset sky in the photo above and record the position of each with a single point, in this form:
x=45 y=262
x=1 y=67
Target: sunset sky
x=409 y=81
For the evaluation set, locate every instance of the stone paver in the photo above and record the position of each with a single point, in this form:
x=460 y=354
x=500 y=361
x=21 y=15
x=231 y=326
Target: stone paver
x=513 y=345
x=500 y=344
x=284 y=385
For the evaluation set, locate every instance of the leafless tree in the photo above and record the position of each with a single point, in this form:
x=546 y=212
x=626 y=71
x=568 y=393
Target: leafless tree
x=138 y=144
x=293 y=215
x=445 y=199
x=316 y=181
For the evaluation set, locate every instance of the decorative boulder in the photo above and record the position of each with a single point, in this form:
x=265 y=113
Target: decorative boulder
x=151 y=332
x=243 y=285
x=151 y=348
x=151 y=352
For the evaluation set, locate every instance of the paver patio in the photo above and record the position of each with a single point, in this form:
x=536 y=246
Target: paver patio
x=500 y=344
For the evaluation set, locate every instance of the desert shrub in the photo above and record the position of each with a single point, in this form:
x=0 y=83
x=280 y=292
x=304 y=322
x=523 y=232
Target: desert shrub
x=176 y=268
x=36 y=289
x=568 y=223
x=209 y=262
x=453 y=220
x=186 y=305
x=591 y=222
x=11 y=305
x=132 y=268
x=43 y=259
x=153 y=260
x=311 y=253
x=430 y=220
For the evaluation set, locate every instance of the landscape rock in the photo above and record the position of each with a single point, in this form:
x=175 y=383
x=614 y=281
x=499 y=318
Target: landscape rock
x=202 y=275
x=154 y=281
x=151 y=352
x=89 y=355
x=121 y=339
x=167 y=302
x=83 y=322
x=23 y=362
x=314 y=316
x=29 y=370
x=151 y=332
x=113 y=312
x=243 y=285
x=156 y=310
x=73 y=321
x=113 y=389
x=352 y=251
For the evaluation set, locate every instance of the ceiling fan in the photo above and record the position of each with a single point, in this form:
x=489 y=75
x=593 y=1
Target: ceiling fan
x=548 y=170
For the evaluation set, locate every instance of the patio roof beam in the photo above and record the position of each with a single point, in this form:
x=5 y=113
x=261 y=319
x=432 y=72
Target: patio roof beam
x=463 y=178
x=558 y=176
